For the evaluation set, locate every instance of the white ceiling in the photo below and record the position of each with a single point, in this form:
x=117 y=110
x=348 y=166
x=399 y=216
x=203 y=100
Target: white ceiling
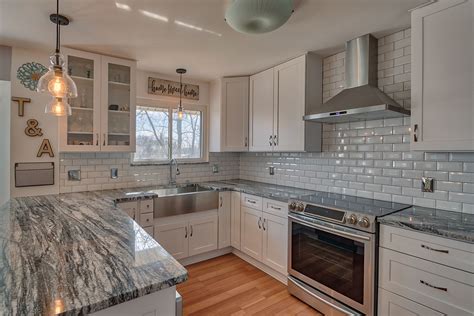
x=162 y=44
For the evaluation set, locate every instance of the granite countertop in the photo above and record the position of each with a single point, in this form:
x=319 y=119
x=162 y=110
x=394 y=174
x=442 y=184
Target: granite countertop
x=267 y=190
x=447 y=224
x=73 y=254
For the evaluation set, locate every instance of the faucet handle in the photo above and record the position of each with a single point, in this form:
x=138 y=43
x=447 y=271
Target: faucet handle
x=178 y=172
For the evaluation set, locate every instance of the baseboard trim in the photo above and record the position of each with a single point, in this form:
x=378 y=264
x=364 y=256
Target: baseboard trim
x=276 y=275
x=205 y=256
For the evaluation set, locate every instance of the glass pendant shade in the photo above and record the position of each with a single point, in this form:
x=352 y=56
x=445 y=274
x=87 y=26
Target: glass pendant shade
x=180 y=113
x=58 y=107
x=258 y=16
x=56 y=81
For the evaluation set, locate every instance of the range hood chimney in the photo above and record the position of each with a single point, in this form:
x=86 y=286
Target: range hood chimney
x=361 y=99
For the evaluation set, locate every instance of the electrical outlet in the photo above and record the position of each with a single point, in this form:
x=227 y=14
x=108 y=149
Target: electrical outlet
x=215 y=168
x=427 y=184
x=271 y=170
x=113 y=173
x=74 y=175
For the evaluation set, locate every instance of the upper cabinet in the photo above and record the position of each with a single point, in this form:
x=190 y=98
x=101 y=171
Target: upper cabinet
x=279 y=98
x=103 y=114
x=442 y=77
x=229 y=114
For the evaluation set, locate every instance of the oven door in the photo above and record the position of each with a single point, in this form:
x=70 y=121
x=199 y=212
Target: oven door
x=334 y=259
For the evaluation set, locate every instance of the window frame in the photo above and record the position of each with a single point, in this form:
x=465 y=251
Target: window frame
x=172 y=105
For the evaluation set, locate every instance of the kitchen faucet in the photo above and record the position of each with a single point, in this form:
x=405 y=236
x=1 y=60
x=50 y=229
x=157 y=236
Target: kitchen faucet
x=173 y=179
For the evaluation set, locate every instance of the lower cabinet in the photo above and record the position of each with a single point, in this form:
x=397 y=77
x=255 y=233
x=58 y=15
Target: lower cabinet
x=235 y=220
x=264 y=237
x=391 y=304
x=184 y=236
x=224 y=219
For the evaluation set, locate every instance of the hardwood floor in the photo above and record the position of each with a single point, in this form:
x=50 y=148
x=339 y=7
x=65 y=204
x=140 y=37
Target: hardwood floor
x=228 y=285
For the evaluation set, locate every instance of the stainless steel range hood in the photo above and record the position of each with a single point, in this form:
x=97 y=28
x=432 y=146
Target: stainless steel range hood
x=361 y=99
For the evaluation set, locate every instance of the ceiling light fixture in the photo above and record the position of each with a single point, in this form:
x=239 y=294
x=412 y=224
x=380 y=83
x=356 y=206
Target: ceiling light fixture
x=258 y=16
x=180 y=71
x=56 y=81
x=154 y=15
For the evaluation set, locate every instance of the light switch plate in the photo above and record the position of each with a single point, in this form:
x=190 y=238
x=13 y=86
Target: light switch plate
x=74 y=175
x=427 y=184
x=113 y=173
x=215 y=168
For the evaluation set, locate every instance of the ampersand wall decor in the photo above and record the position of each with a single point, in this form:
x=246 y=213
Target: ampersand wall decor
x=32 y=128
x=45 y=148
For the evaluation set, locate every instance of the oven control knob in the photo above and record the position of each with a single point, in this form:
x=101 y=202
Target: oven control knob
x=352 y=219
x=292 y=206
x=300 y=207
x=364 y=222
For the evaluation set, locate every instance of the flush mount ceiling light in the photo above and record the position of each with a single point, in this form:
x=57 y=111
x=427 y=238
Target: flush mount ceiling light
x=258 y=16
x=180 y=71
x=56 y=81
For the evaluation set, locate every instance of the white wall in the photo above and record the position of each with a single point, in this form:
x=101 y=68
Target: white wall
x=23 y=147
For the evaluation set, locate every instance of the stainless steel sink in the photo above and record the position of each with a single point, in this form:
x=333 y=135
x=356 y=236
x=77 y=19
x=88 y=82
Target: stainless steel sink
x=186 y=199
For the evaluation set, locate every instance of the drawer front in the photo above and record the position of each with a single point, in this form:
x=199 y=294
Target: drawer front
x=149 y=230
x=391 y=304
x=128 y=206
x=146 y=206
x=445 y=289
x=252 y=201
x=146 y=219
x=449 y=252
x=275 y=207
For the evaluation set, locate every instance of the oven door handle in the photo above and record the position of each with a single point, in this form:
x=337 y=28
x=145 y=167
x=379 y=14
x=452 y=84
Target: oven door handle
x=329 y=229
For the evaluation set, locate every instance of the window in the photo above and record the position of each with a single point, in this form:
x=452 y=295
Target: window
x=161 y=136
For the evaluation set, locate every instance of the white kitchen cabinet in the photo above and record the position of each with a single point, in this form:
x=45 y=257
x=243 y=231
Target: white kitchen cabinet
x=391 y=304
x=264 y=233
x=174 y=238
x=275 y=240
x=279 y=98
x=202 y=234
x=235 y=219
x=261 y=108
x=103 y=114
x=224 y=213
x=229 y=108
x=188 y=235
x=442 y=102
x=251 y=232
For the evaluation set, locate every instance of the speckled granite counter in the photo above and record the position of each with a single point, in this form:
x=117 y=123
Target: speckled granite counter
x=77 y=253
x=453 y=225
x=267 y=190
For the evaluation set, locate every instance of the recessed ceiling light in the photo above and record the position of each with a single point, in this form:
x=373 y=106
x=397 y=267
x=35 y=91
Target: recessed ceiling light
x=154 y=16
x=123 y=6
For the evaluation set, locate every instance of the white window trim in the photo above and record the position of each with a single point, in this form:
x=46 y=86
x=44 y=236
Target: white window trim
x=204 y=137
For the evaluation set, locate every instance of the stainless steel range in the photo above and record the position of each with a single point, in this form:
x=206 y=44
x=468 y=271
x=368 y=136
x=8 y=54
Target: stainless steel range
x=331 y=255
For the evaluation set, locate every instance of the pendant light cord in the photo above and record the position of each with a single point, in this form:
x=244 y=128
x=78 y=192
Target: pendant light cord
x=58 y=34
x=180 y=91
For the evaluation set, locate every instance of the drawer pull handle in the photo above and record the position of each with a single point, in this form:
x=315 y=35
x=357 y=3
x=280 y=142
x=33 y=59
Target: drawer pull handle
x=434 y=287
x=186 y=232
x=191 y=235
x=275 y=208
x=263 y=224
x=434 y=249
x=259 y=221
x=251 y=201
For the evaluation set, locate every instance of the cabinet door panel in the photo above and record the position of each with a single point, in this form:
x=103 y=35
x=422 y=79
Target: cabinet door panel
x=261 y=111
x=442 y=77
x=275 y=242
x=289 y=105
x=224 y=219
x=251 y=232
x=393 y=305
x=118 y=105
x=235 y=214
x=202 y=235
x=235 y=114
x=80 y=131
x=174 y=238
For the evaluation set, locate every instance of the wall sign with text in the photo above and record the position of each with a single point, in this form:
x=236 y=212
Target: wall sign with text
x=171 y=88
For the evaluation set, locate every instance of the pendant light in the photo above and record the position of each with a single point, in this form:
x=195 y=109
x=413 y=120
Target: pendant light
x=56 y=81
x=258 y=16
x=180 y=71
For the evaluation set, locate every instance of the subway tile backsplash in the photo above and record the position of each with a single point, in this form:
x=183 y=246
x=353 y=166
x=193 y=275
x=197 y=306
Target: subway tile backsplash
x=369 y=159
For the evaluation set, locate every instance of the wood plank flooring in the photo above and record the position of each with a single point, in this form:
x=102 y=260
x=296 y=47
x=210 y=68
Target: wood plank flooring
x=228 y=285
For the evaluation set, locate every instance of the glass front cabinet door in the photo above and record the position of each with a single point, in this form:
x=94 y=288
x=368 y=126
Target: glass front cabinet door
x=103 y=114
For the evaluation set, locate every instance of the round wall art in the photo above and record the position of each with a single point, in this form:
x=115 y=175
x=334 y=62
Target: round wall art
x=29 y=74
